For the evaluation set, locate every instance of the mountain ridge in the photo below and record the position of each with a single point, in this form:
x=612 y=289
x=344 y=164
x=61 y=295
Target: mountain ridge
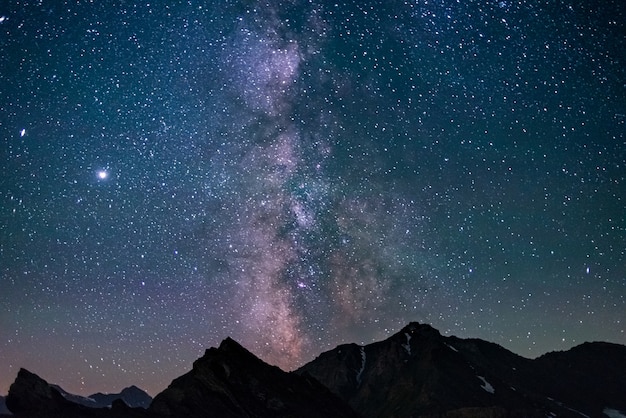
x=233 y=382
x=416 y=372
x=436 y=375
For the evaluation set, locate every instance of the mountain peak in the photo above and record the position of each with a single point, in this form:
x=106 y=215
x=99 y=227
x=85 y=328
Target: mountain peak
x=421 y=329
x=230 y=381
x=229 y=353
x=230 y=345
x=29 y=389
x=419 y=372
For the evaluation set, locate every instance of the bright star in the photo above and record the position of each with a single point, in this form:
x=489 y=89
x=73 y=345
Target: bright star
x=103 y=174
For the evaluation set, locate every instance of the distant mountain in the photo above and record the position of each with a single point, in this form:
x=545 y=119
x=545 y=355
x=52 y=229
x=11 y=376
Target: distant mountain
x=82 y=400
x=229 y=381
x=3 y=407
x=132 y=396
x=32 y=397
x=414 y=373
x=419 y=372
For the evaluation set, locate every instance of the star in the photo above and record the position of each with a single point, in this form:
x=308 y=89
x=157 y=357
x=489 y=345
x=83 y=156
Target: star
x=301 y=174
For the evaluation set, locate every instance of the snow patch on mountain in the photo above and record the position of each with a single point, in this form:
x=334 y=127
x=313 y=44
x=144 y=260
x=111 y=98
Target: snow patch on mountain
x=486 y=385
x=452 y=348
x=613 y=413
x=561 y=404
x=359 y=374
x=407 y=346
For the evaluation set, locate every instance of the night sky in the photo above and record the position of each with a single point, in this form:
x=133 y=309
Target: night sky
x=300 y=174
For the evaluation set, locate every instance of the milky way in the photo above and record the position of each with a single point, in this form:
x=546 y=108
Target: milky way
x=302 y=174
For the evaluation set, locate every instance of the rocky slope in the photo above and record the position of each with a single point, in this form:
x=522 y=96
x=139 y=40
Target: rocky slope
x=229 y=381
x=419 y=372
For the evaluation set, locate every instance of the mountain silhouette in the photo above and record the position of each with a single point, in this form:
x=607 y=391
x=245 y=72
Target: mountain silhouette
x=230 y=381
x=419 y=372
x=416 y=372
x=32 y=397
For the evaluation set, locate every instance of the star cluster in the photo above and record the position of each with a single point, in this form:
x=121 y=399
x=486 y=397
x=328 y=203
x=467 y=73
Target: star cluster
x=302 y=174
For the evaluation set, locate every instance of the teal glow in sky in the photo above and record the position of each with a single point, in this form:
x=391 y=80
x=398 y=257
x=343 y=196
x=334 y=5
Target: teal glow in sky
x=301 y=174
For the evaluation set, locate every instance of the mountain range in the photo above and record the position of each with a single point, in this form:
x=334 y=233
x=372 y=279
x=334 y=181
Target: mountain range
x=417 y=372
x=132 y=396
